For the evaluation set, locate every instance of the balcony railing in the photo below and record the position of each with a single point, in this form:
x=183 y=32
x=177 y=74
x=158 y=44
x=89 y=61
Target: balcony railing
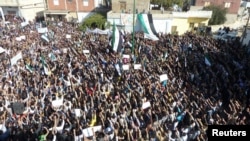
x=195 y=14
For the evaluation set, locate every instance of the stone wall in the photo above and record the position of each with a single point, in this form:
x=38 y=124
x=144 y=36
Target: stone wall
x=140 y=5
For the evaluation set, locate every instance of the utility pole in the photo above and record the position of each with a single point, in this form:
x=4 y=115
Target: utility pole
x=133 y=34
x=245 y=30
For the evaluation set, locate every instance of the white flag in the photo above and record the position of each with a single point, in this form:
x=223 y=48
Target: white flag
x=46 y=70
x=14 y=59
x=151 y=37
x=2 y=50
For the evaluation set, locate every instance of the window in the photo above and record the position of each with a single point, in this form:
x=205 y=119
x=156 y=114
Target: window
x=11 y=12
x=123 y=6
x=56 y=2
x=174 y=29
x=207 y=3
x=191 y=25
x=227 y=5
x=85 y=2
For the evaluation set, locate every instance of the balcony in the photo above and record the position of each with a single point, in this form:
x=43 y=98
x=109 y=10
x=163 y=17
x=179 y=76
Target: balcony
x=9 y=3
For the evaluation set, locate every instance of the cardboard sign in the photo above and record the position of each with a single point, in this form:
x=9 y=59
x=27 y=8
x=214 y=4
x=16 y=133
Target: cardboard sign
x=78 y=112
x=57 y=103
x=85 y=51
x=88 y=132
x=146 y=105
x=163 y=77
x=125 y=67
x=68 y=36
x=137 y=66
x=65 y=50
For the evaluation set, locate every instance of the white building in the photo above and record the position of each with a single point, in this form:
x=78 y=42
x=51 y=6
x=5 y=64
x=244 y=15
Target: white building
x=23 y=8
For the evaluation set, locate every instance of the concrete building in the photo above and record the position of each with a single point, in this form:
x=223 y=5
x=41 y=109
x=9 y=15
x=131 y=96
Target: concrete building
x=169 y=22
x=164 y=21
x=23 y=8
x=71 y=9
x=232 y=5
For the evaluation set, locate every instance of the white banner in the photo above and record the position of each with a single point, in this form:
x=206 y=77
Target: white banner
x=85 y=51
x=2 y=14
x=14 y=59
x=99 y=31
x=125 y=56
x=127 y=19
x=20 y=38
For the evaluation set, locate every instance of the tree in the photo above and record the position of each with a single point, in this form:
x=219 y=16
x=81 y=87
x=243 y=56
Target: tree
x=218 y=16
x=186 y=6
x=96 y=20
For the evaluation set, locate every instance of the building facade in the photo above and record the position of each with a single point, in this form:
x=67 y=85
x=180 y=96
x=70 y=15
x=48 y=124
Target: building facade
x=164 y=22
x=175 y=22
x=232 y=5
x=70 y=9
x=126 y=6
x=23 y=8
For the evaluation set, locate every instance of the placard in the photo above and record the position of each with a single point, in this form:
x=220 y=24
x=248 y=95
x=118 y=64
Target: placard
x=125 y=56
x=125 y=67
x=163 y=77
x=85 y=51
x=88 y=132
x=137 y=66
x=68 y=36
x=57 y=103
x=78 y=112
x=146 y=105
x=65 y=50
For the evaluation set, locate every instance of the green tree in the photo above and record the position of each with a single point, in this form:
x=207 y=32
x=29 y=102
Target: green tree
x=96 y=20
x=186 y=5
x=218 y=16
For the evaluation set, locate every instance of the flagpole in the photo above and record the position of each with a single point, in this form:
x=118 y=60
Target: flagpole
x=133 y=33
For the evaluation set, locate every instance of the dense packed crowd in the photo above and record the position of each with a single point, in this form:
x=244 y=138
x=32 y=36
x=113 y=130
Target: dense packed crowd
x=73 y=85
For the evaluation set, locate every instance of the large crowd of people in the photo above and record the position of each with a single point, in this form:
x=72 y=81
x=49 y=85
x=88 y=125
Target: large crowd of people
x=73 y=86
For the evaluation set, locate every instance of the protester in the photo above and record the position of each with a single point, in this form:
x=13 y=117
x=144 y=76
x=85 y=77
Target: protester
x=73 y=86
